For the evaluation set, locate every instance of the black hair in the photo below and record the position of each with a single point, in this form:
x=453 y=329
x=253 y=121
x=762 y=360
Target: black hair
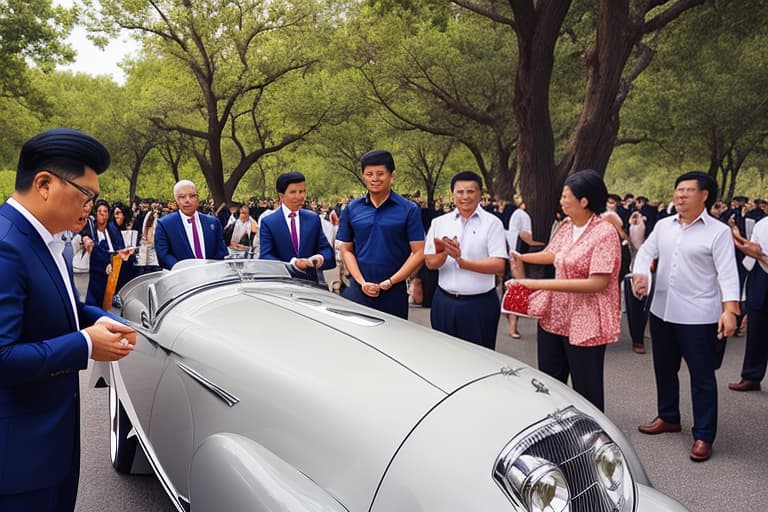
x=288 y=178
x=467 y=176
x=588 y=183
x=127 y=213
x=705 y=182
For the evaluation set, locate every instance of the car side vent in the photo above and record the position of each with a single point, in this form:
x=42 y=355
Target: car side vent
x=311 y=302
x=354 y=316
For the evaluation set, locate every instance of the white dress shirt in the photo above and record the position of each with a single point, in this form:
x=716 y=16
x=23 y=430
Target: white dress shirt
x=286 y=215
x=759 y=236
x=481 y=236
x=696 y=271
x=55 y=246
x=519 y=221
x=188 y=230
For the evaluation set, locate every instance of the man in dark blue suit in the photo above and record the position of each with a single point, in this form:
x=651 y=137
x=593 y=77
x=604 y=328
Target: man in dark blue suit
x=756 y=349
x=46 y=333
x=187 y=233
x=293 y=234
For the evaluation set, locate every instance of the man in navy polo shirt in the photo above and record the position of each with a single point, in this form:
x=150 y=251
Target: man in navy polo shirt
x=382 y=239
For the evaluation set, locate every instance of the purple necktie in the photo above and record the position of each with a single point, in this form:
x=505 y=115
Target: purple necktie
x=294 y=237
x=196 y=238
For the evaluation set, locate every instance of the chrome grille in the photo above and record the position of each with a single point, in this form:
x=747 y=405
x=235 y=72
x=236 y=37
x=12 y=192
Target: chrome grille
x=564 y=439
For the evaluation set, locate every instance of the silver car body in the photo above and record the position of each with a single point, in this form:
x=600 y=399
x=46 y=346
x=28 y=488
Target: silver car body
x=248 y=390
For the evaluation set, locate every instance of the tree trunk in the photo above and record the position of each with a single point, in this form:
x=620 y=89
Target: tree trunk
x=540 y=182
x=595 y=134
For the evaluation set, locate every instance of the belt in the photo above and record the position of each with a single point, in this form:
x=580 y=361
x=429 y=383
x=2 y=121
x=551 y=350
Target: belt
x=460 y=295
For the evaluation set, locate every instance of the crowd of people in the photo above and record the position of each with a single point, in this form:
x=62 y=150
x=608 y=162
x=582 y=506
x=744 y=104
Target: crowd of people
x=696 y=259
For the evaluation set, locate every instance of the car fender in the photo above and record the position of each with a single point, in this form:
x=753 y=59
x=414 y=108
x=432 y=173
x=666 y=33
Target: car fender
x=232 y=473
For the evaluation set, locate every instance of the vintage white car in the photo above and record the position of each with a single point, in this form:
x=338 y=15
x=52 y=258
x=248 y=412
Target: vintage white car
x=252 y=391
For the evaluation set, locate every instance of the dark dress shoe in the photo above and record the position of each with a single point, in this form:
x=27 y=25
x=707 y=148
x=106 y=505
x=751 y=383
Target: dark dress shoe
x=745 y=385
x=638 y=349
x=701 y=451
x=659 y=426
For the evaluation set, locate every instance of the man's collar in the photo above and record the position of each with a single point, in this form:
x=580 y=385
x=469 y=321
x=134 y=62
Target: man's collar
x=370 y=202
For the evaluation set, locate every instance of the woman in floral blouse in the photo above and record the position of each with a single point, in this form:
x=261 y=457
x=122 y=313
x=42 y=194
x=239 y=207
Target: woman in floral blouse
x=579 y=310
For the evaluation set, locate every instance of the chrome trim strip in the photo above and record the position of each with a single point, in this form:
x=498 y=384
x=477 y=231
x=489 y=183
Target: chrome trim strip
x=145 y=445
x=227 y=397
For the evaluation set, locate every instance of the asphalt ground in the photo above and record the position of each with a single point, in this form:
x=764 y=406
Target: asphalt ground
x=734 y=479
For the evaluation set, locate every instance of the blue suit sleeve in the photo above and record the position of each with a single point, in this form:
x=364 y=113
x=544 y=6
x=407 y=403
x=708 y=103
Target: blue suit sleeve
x=266 y=241
x=162 y=247
x=221 y=247
x=29 y=360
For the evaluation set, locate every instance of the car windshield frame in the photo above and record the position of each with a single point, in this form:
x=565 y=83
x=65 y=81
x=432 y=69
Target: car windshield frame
x=205 y=274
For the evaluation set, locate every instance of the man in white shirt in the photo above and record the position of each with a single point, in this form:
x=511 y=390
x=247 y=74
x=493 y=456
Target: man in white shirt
x=756 y=263
x=694 y=306
x=468 y=248
x=519 y=239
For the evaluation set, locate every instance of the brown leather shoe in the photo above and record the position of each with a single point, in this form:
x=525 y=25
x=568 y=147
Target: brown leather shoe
x=638 y=349
x=745 y=385
x=701 y=451
x=659 y=426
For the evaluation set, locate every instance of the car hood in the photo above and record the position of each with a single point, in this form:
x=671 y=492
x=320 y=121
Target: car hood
x=444 y=361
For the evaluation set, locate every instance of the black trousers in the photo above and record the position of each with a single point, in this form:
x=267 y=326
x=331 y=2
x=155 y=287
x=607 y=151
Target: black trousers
x=756 y=350
x=699 y=346
x=473 y=318
x=637 y=312
x=558 y=358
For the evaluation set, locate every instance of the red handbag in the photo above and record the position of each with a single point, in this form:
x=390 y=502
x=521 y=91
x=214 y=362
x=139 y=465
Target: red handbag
x=516 y=300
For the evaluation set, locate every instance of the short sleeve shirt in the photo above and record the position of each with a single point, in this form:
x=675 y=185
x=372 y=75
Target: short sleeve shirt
x=382 y=235
x=587 y=319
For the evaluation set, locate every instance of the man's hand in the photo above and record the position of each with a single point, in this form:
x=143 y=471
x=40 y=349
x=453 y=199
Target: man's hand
x=726 y=326
x=110 y=340
x=452 y=247
x=315 y=261
x=385 y=285
x=640 y=285
x=371 y=289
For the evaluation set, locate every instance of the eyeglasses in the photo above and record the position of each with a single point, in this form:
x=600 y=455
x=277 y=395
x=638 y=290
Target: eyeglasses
x=90 y=196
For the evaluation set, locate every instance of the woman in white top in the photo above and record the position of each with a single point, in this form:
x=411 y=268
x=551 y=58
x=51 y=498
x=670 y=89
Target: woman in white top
x=244 y=233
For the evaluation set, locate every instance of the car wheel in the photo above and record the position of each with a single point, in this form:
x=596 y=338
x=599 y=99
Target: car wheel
x=122 y=449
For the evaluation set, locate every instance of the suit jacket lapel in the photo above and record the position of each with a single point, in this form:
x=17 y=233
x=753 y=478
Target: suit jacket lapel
x=181 y=232
x=36 y=246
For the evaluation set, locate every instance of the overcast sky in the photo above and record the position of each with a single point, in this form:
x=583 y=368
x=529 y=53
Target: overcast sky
x=94 y=61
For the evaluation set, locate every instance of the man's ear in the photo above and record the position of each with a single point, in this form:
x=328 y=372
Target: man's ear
x=42 y=184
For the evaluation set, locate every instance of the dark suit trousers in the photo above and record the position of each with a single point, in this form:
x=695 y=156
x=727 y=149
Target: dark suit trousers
x=473 y=318
x=558 y=358
x=698 y=345
x=756 y=351
x=60 y=498
x=637 y=314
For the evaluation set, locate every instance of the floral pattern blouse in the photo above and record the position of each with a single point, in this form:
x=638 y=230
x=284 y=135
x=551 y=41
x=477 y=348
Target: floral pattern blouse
x=587 y=319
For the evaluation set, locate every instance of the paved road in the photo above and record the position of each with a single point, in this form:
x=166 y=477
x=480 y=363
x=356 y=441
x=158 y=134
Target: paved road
x=734 y=479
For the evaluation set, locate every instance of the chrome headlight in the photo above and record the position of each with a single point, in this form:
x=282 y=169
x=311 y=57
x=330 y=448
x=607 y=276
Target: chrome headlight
x=542 y=486
x=565 y=463
x=612 y=471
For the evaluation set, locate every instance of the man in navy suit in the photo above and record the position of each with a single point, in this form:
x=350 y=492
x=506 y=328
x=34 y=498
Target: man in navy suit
x=46 y=333
x=186 y=234
x=756 y=348
x=295 y=235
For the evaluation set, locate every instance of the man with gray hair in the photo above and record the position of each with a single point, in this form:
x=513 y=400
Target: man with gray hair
x=186 y=233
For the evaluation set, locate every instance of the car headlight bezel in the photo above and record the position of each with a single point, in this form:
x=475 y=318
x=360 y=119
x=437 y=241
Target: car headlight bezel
x=570 y=444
